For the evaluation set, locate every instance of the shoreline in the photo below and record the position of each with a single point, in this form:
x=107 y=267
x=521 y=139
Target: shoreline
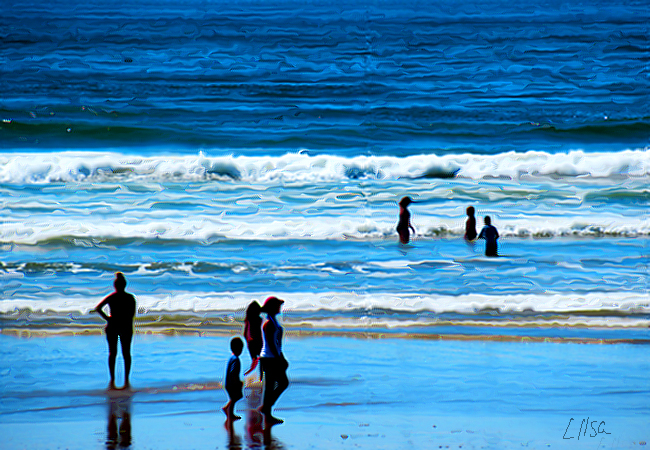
x=25 y=333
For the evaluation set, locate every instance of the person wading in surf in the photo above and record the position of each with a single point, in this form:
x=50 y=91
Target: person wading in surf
x=470 y=225
x=490 y=234
x=404 y=222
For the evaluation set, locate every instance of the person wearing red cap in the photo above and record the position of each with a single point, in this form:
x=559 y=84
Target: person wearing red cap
x=274 y=365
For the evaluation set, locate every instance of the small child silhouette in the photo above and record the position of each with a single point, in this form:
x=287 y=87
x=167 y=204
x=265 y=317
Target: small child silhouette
x=233 y=384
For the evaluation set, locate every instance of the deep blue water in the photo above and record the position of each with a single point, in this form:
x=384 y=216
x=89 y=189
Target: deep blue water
x=345 y=77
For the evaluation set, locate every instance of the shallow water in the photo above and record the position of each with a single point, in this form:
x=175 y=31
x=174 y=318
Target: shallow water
x=475 y=394
x=556 y=378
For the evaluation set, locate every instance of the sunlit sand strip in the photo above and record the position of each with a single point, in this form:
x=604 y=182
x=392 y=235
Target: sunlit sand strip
x=366 y=333
x=217 y=325
x=124 y=393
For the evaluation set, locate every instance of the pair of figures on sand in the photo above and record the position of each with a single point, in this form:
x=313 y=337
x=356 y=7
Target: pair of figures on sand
x=265 y=346
x=489 y=232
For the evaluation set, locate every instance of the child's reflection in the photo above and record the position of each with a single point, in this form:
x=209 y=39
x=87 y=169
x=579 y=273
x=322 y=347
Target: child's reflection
x=234 y=441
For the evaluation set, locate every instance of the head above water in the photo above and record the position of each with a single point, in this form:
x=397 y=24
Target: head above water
x=487 y=220
x=405 y=201
x=120 y=282
x=272 y=305
x=236 y=345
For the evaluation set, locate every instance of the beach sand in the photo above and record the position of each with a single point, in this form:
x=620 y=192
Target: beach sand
x=345 y=392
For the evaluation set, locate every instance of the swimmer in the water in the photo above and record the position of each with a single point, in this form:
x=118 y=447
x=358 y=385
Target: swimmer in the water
x=490 y=234
x=470 y=225
x=404 y=223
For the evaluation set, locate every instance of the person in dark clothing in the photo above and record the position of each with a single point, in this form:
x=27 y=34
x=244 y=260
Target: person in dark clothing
x=234 y=386
x=490 y=234
x=119 y=325
x=274 y=364
x=253 y=334
x=470 y=225
x=404 y=222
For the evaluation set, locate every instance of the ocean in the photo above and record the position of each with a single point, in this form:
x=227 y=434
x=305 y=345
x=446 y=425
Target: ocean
x=219 y=152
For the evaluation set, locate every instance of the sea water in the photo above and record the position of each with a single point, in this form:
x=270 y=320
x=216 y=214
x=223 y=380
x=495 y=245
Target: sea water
x=221 y=152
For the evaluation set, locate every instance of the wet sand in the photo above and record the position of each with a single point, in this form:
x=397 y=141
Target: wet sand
x=345 y=392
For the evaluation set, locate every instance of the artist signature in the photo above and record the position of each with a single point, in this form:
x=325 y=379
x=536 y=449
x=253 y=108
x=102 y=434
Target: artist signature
x=585 y=425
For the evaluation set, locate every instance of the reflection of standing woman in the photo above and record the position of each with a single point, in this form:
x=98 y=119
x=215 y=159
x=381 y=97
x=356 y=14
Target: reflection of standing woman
x=119 y=325
x=253 y=334
x=274 y=365
x=404 y=220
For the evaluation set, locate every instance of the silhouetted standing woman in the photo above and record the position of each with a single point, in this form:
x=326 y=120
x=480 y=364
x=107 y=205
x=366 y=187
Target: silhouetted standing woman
x=274 y=365
x=404 y=220
x=119 y=325
x=253 y=334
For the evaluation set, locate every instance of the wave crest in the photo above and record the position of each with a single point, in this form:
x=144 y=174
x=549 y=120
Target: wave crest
x=43 y=168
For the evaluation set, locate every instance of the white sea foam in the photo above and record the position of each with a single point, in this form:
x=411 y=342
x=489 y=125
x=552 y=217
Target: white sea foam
x=367 y=323
x=98 y=232
x=122 y=200
x=346 y=302
x=42 y=168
